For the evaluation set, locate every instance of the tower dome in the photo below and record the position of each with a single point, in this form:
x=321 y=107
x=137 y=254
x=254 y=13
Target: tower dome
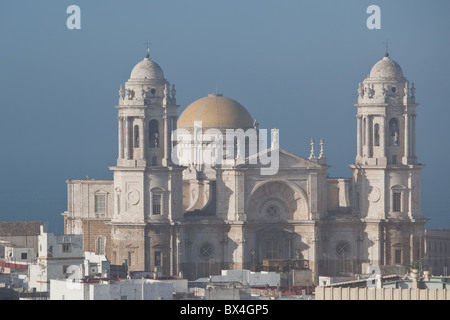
x=147 y=69
x=216 y=111
x=386 y=68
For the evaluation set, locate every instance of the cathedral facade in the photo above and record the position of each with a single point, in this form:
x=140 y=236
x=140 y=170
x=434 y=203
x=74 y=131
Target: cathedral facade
x=168 y=209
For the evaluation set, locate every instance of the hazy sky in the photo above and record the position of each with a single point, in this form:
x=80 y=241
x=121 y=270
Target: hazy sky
x=294 y=65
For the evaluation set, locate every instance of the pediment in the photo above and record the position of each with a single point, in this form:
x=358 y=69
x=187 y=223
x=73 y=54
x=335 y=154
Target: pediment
x=291 y=160
x=286 y=160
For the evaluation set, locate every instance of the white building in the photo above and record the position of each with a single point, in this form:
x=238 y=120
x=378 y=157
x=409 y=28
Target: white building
x=136 y=289
x=201 y=218
x=59 y=257
x=248 y=278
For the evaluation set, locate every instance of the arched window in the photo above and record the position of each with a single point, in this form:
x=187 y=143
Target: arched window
x=136 y=136
x=153 y=134
x=377 y=134
x=393 y=132
x=100 y=245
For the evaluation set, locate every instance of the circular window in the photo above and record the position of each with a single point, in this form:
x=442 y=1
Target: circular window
x=272 y=210
x=394 y=89
x=343 y=249
x=153 y=91
x=206 y=250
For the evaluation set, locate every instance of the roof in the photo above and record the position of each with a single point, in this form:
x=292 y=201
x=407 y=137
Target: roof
x=216 y=111
x=20 y=228
x=147 y=69
x=386 y=68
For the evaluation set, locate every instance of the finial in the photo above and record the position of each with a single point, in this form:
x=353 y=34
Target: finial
x=312 y=155
x=322 y=154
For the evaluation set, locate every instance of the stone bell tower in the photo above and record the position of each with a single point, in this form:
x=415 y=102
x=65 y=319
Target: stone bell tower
x=386 y=173
x=147 y=192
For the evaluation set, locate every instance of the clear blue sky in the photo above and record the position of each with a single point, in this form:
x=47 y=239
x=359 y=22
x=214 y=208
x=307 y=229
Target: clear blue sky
x=294 y=65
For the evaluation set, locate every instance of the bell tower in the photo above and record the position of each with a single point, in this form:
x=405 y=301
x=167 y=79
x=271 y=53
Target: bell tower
x=386 y=173
x=147 y=192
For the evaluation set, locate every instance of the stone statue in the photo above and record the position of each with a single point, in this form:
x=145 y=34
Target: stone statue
x=361 y=90
x=173 y=92
x=121 y=92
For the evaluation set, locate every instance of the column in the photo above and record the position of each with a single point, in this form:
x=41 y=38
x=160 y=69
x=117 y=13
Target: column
x=127 y=138
x=366 y=136
x=166 y=139
x=406 y=151
x=174 y=128
x=358 y=136
x=142 y=135
x=383 y=137
x=120 y=119
x=414 y=136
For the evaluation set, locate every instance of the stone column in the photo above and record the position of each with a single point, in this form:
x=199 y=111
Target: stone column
x=358 y=136
x=127 y=138
x=414 y=135
x=174 y=127
x=166 y=139
x=406 y=149
x=142 y=137
x=383 y=137
x=120 y=119
x=367 y=137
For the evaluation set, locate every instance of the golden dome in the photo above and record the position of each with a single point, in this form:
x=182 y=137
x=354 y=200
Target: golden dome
x=216 y=111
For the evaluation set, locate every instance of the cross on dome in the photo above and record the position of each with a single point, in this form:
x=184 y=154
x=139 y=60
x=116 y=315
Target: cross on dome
x=147 y=54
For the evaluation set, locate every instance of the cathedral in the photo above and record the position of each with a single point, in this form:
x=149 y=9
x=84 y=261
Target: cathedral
x=173 y=208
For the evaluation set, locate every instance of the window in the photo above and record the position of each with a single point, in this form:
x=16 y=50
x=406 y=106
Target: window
x=206 y=250
x=100 y=204
x=272 y=211
x=394 y=159
x=64 y=269
x=23 y=256
x=397 y=201
x=271 y=249
x=66 y=247
x=156 y=204
x=100 y=246
x=158 y=258
x=343 y=249
x=398 y=256
x=130 y=260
